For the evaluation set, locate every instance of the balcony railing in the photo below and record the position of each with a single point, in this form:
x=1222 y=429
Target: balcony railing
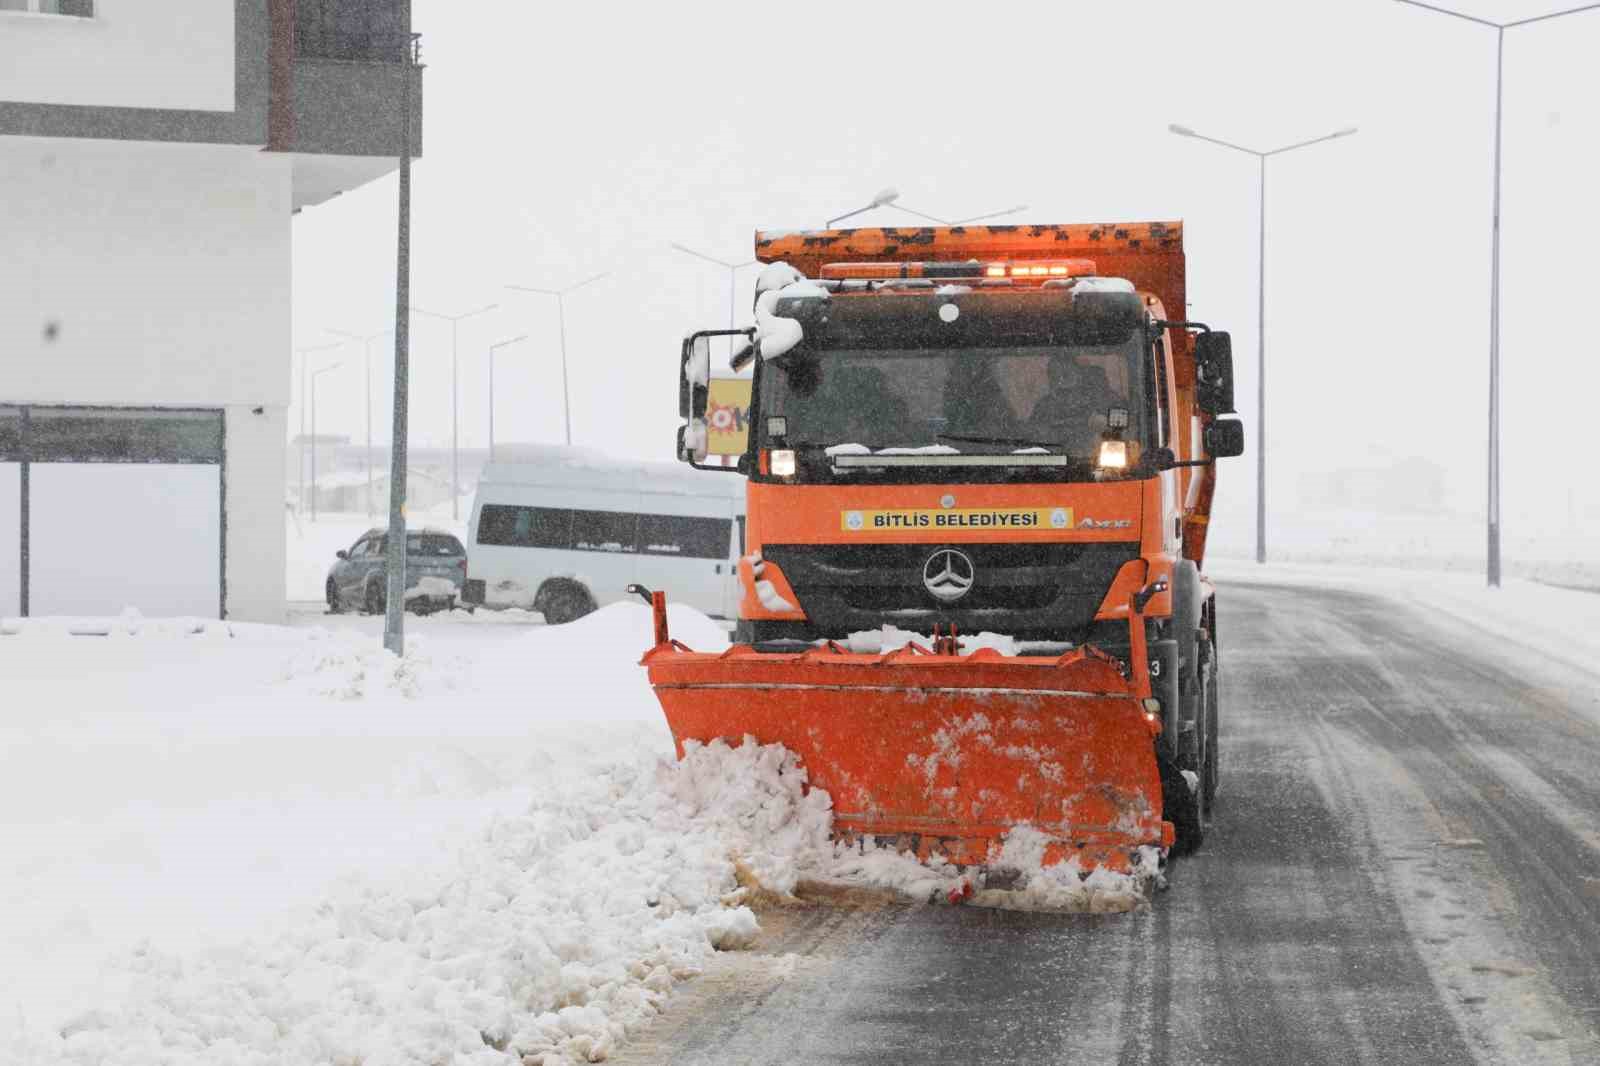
x=370 y=31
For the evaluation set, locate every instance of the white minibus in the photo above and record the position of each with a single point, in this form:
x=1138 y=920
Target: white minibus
x=565 y=530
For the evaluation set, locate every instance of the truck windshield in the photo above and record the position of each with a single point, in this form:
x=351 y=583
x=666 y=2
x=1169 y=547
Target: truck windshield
x=974 y=400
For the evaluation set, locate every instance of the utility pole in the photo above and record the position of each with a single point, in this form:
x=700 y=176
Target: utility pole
x=1261 y=314
x=1500 y=28
x=314 y=376
x=366 y=342
x=455 y=403
x=394 y=637
x=561 y=317
x=492 y=349
x=300 y=453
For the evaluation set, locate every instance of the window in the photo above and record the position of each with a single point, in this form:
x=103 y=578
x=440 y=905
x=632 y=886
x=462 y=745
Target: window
x=10 y=434
x=77 y=8
x=621 y=532
x=605 y=531
x=129 y=435
x=433 y=546
x=525 y=527
x=691 y=537
x=369 y=30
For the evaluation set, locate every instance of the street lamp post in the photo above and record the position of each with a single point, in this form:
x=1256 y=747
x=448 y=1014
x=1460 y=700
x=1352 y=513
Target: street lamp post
x=394 y=563
x=366 y=342
x=1261 y=313
x=315 y=374
x=492 y=349
x=733 y=273
x=1500 y=28
x=301 y=454
x=455 y=406
x=561 y=316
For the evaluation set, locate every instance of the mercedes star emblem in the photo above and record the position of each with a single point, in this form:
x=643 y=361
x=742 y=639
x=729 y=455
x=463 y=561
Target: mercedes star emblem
x=948 y=575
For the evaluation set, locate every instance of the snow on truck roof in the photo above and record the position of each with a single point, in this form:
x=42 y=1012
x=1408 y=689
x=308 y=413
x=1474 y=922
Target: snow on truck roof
x=574 y=467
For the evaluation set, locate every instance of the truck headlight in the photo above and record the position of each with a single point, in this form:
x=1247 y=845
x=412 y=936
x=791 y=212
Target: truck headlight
x=783 y=462
x=1113 y=455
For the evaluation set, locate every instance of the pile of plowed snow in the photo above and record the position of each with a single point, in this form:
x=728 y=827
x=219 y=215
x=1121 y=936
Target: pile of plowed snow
x=591 y=871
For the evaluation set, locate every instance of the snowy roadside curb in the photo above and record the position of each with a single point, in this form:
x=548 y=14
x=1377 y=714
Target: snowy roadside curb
x=128 y=624
x=1561 y=624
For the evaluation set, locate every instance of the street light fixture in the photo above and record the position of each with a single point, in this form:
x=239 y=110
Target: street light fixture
x=1261 y=312
x=561 y=313
x=961 y=221
x=366 y=342
x=883 y=199
x=1500 y=28
x=315 y=374
x=455 y=406
x=303 y=352
x=492 y=349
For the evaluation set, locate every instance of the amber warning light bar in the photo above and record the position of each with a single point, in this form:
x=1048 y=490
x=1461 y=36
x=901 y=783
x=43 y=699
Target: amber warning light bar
x=1042 y=269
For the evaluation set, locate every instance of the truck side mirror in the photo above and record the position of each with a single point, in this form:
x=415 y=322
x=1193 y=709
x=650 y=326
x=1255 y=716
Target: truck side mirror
x=1225 y=438
x=1213 y=356
x=694 y=376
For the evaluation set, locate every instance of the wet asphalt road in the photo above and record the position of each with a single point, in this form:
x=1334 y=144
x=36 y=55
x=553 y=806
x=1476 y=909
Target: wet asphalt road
x=1404 y=868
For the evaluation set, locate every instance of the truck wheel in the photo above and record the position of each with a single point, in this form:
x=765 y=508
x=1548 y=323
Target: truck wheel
x=564 y=602
x=332 y=592
x=374 y=599
x=1181 y=806
x=1209 y=676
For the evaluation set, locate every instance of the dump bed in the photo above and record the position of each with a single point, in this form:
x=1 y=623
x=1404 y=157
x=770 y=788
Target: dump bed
x=1149 y=254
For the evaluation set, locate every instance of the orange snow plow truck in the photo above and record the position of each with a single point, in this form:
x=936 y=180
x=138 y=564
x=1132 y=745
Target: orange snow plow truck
x=980 y=469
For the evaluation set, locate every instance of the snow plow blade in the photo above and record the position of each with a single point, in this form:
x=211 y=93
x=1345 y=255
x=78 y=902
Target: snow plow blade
x=941 y=752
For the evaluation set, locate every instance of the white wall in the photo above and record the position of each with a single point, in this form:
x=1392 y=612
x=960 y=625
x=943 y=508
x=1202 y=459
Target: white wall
x=10 y=539
x=164 y=273
x=255 y=508
x=143 y=273
x=176 y=54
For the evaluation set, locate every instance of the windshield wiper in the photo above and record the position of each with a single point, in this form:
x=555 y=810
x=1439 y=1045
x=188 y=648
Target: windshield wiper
x=1022 y=441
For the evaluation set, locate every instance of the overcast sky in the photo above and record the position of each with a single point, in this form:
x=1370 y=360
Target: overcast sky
x=562 y=140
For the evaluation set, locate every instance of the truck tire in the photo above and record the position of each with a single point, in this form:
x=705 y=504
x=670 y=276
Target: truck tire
x=374 y=599
x=1181 y=806
x=332 y=593
x=563 y=601
x=1209 y=677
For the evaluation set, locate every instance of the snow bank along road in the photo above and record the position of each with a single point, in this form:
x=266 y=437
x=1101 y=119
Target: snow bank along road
x=1406 y=870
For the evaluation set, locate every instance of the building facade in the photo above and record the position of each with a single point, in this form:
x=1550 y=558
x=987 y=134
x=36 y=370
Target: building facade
x=152 y=154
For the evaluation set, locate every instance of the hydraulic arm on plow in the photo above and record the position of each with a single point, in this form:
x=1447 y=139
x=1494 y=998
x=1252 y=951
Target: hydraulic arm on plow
x=974 y=430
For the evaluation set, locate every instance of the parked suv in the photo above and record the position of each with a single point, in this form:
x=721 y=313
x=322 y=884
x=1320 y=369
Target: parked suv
x=436 y=568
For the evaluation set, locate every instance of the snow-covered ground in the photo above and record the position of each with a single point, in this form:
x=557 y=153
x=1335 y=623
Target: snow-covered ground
x=226 y=840
x=1553 y=549
x=285 y=840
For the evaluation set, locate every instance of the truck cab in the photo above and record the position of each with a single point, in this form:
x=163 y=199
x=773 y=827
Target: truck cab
x=1008 y=442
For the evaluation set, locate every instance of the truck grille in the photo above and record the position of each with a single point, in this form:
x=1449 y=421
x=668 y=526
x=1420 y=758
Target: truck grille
x=1040 y=591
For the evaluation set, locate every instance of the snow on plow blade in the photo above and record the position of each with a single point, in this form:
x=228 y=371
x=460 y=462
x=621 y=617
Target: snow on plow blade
x=945 y=752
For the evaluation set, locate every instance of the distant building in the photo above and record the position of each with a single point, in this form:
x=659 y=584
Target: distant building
x=152 y=153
